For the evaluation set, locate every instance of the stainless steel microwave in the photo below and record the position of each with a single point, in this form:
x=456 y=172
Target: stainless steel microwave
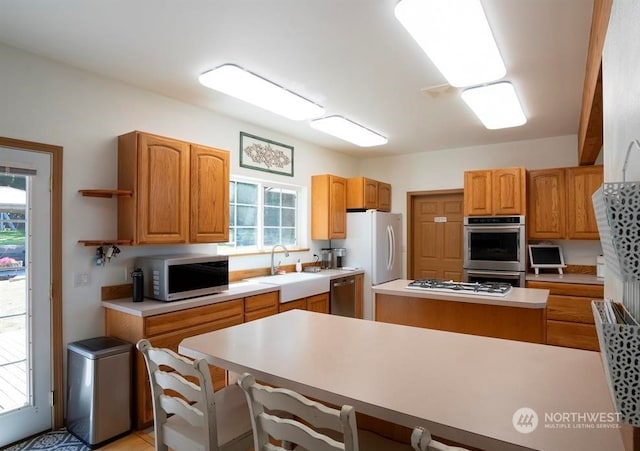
x=175 y=277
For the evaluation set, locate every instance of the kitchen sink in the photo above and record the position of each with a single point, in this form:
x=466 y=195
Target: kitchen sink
x=296 y=285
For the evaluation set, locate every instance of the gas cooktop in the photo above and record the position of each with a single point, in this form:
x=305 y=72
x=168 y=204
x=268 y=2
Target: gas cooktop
x=449 y=286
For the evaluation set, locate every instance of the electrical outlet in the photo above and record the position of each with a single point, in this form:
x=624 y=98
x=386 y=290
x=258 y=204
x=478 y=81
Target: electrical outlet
x=81 y=279
x=127 y=274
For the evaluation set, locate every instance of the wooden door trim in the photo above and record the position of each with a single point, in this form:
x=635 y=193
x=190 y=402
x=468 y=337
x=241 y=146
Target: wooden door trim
x=56 y=265
x=411 y=195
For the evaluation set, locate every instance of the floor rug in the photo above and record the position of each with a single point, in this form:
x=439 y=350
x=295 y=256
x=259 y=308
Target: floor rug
x=59 y=440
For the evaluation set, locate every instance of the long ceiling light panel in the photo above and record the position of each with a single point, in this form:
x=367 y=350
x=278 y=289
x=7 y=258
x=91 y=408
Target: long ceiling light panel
x=347 y=130
x=244 y=85
x=496 y=105
x=456 y=36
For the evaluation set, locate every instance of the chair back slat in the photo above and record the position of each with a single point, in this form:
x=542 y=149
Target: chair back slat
x=177 y=383
x=166 y=357
x=282 y=401
x=296 y=432
x=193 y=415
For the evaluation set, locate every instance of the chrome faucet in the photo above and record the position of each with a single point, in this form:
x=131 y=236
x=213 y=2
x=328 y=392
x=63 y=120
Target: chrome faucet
x=286 y=254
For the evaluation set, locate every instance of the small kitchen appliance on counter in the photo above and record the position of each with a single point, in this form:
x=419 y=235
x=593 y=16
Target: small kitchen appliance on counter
x=339 y=254
x=449 y=286
x=326 y=258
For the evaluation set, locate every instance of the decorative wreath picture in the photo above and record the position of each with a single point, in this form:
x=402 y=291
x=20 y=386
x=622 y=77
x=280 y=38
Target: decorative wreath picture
x=265 y=155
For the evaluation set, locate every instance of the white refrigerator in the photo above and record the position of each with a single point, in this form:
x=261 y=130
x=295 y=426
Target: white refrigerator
x=374 y=244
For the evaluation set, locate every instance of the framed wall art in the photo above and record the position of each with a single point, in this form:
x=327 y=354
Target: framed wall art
x=265 y=155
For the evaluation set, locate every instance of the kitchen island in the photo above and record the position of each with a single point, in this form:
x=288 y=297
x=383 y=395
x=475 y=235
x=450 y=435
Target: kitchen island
x=520 y=315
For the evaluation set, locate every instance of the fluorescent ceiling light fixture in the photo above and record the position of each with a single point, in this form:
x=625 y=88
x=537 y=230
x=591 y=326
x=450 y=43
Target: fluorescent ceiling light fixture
x=497 y=105
x=456 y=36
x=343 y=128
x=241 y=84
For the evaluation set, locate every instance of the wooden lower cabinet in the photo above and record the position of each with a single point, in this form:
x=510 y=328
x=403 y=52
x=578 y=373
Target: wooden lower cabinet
x=261 y=305
x=513 y=323
x=167 y=331
x=569 y=315
x=318 y=303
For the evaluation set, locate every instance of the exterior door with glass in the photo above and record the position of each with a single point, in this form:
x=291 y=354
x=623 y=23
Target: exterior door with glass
x=25 y=301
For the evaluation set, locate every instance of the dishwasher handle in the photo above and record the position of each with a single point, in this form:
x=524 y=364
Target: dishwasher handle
x=344 y=282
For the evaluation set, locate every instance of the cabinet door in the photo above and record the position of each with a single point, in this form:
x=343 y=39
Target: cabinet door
x=582 y=182
x=328 y=207
x=362 y=193
x=297 y=304
x=162 y=190
x=261 y=305
x=547 y=209
x=318 y=303
x=384 y=196
x=478 y=193
x=359 y=294
x=209 y=195
x=508 y=191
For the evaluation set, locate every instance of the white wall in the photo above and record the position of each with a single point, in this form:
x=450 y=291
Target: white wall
x=444 y=169
x=47 y=102
x=621 y=92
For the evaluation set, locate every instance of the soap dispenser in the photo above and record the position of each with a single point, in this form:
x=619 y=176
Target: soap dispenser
x=298 y=266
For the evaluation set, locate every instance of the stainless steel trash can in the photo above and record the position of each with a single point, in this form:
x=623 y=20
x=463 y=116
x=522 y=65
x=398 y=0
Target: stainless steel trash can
x=99 y=389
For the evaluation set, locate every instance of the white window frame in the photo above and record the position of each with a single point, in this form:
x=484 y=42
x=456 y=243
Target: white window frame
x=300 y=227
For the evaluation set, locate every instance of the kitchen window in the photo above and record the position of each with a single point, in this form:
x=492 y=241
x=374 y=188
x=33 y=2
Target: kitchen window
x=261 y=214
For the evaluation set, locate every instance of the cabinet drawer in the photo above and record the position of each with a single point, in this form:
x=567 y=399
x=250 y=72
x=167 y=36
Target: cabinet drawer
x=261 y=305
x=223 y=314
x=570 y=308
x=570 y=289
x=572 y=335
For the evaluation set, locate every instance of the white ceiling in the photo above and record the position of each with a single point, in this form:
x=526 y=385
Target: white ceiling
x=351 y=56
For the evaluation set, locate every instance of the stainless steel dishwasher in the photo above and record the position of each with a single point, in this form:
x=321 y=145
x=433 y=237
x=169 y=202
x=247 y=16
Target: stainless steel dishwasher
x=343 y=296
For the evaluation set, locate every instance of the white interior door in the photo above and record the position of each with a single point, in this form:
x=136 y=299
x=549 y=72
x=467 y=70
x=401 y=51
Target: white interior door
x=25 y=303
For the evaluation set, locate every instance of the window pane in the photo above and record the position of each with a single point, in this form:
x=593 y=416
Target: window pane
x=288 y=217
x=232 y=192
x=271 y=236
x=247 y=193
x=247 y=216
x=232 y=215
x=271 y=217
x=288 y=236
x=289 y=199
x=271 y=196
x=246 y=236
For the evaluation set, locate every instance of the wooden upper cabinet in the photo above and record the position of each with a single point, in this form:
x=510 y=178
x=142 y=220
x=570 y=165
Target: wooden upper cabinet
x=495 y=192
x=478 y=193
x=367 y=194
x=546 y=210
x=180 y=191
x=509 y=191
x=560 y=204
x=328 y=207
x=209 y=195
x=384 y=196
x=362 y=193
x=582 y=182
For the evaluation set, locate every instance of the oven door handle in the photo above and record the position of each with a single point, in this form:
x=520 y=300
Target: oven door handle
x=513 y=274
x=500 y=228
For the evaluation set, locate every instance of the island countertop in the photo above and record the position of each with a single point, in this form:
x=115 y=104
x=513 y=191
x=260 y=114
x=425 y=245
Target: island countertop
x=532 y=298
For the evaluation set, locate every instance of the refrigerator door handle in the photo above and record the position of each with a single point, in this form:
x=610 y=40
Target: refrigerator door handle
x=392 y=250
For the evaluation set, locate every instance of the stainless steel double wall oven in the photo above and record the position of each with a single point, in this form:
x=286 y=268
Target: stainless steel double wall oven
x=495 y=249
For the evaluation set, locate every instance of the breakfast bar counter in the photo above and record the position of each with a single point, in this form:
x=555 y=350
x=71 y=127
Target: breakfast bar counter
x=519 y=315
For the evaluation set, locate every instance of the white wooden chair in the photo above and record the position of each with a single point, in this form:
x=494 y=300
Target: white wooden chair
x=421 y=441
x=208 y=421
x=317 y=415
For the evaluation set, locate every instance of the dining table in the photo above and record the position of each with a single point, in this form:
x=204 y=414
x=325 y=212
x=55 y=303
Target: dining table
x=487 y=393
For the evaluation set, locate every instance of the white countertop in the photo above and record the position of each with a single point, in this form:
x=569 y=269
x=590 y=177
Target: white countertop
x=587 y=279
x=236 y=290
x=517 y=297
x=463 y=387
